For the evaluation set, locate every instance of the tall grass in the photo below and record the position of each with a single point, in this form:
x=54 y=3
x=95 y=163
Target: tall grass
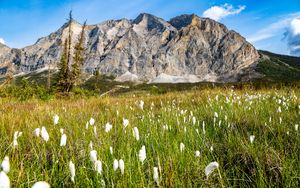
x=272 y=160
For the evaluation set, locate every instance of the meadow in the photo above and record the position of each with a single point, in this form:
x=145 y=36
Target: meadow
x=253 y=136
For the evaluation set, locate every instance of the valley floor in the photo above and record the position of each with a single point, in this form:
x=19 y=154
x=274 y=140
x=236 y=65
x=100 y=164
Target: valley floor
x=253 y=136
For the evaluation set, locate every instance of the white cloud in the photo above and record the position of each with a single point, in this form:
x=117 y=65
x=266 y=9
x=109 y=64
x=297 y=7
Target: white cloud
x=219 y=12
x=288 y=26
x=295 y=26
x=275 y=28
x=293 y=37
x=2 y=41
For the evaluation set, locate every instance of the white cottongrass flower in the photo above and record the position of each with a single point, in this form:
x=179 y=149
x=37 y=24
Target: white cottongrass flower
x=63 y=140
x=279 y=109
x=142 y=154
x=55 y=119
x=211 y=148
x=210 y=168
x=197 y=153
x=87 y=125
x=116 y=165
x=72 y=170
x=44 y=134
x=98 y=167
x=41 y=184
x=216 y=115
x=181 y=147
x=194 y=120
x=155 y=175
x=92 y=121
x=5 y=166
x=121 y=166
x=17 y=134
x=136 y=134
x=125 y=122
x=95 y=130
x=252 y=137
x=108 y=127
x=4 y=180
x=93 y=155
x=141 y=105
x=91 y=145
x=296 y=127
x=37 y=132
x=165 y=127
x=111 y=150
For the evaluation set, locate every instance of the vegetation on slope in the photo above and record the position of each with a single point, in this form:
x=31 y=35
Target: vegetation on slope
x=279 y=67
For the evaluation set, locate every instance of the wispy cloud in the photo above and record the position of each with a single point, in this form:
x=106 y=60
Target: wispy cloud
x=219 y=12
x=274 y=29
x=287 y=26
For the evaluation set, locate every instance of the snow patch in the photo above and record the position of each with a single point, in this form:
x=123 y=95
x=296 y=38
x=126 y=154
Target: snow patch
x=165 y=78
x=211 y=77
x=127 y=77
x=189 y=78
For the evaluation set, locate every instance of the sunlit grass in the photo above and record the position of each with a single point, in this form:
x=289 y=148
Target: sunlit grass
x=165 y=122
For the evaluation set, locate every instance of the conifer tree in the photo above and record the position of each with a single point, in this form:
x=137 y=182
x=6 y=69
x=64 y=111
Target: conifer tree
x=9 y=75
x=63 y=66
x=64 y=75
x=70 y=63
x=78 y=58
x=68 y=76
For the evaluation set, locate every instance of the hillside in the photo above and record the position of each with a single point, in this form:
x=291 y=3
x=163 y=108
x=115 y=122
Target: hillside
x=277 y=67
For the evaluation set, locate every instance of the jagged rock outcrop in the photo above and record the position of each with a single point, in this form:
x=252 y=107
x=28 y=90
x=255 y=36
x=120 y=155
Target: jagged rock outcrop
x=147 y=47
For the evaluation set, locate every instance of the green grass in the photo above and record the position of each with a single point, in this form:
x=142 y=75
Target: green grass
x=271 y=161
x=279 y=67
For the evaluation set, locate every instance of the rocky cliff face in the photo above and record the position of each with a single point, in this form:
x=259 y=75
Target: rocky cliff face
x=187 y=48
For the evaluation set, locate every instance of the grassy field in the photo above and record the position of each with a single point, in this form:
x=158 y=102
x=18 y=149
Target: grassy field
x=216 y=122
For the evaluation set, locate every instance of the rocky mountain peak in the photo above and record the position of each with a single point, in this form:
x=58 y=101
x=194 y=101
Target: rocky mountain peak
x=3 y=46
x=151 y=22
x=184 y=20
x=187 y=48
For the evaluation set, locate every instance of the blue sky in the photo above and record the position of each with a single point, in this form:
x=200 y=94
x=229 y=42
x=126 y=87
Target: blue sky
x=272 y=25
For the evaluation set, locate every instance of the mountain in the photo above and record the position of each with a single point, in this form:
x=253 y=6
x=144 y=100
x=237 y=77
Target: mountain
x=185 y=49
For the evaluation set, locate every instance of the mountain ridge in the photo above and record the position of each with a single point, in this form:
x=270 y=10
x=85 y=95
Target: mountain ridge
x=146 y=47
